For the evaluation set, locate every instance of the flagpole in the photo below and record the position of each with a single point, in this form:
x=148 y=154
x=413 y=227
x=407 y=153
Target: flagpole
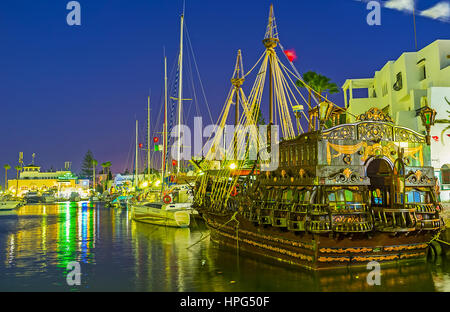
x=415 y=33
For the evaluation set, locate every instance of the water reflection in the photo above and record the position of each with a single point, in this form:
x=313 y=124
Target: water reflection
x=117 y=254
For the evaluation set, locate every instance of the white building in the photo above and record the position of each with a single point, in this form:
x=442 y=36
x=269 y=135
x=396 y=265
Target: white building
x=402 y=87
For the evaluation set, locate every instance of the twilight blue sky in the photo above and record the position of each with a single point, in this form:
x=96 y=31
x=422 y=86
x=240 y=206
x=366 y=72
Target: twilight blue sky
x=64 y=90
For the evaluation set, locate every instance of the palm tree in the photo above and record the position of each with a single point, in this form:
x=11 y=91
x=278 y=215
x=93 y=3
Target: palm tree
x=7 y=167
x=18 y=168
x=444 y=121
x=106 y=166
x=317 y=83
x=94 y=165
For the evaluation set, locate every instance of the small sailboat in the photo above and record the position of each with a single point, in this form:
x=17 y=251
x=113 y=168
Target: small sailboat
x=169 y=206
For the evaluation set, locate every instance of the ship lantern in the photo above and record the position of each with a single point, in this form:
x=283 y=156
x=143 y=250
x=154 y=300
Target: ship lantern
x=324 y=111
x=428 y=116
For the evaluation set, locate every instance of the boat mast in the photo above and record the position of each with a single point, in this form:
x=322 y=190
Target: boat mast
x=136 y=160
x=163 y=158
x=148 y=139
x=180 y=92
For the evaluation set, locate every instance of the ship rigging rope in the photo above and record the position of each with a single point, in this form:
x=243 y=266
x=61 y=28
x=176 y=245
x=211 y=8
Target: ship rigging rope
x=314 y=91
x=254 y=66
x=436 y=238
x=233 y=218
x=198 y=72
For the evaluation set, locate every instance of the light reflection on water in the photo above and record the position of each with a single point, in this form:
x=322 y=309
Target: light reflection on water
x=117 y=254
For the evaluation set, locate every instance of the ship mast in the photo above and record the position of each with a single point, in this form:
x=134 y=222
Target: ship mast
x=237 y=81
x=270 y=42
x=180 y=93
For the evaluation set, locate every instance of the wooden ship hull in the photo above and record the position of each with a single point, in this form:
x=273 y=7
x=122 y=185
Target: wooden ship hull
x=315 y=251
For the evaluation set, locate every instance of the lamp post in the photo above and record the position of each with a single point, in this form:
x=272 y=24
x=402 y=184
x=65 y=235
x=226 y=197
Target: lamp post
x=297 y=112
x=428 y=116
x=324 y=112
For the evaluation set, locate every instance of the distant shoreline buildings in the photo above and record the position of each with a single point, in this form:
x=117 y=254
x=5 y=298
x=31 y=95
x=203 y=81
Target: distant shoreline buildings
x=404 y=86
x=62 y=182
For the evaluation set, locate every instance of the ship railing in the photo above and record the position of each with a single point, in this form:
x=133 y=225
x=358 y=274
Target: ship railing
x=265 y=214
x=283 y=205
x=352 y=227
x=320 y=226
x=299 y=208
x=429 y=225
x=422 y=208
x=296 y=226
x=348 y=208
x=279 y=221
x=395 y=220
x=319 y=209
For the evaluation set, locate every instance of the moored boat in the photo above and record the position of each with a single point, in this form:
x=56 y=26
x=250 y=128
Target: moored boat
x=32 y=198
x=9 y=203
x=159 y=213
x=48 y=197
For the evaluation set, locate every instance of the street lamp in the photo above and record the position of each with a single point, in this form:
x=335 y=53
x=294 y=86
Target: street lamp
x=428 y=116
x=324 y=112
x=297 y=112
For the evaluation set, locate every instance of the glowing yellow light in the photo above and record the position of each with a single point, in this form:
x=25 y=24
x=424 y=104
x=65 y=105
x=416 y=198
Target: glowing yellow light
x=233 y=166
x=144 y=184
x=157 y=183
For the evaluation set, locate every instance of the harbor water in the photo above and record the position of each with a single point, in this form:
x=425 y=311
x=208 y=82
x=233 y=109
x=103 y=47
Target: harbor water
x=115 y=253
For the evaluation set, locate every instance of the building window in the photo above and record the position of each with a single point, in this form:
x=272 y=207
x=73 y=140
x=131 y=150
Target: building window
x=422 y=73
x=384 y=89
x=445 y=174
x=398 y=85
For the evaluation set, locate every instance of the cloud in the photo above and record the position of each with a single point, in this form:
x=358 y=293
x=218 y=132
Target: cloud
x=440 y=11
x=401 y=5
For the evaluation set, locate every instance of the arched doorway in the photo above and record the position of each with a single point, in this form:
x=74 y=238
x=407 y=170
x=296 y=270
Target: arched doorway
x=379 y=171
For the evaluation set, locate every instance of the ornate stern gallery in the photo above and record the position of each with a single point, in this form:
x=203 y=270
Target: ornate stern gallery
x=344 y=194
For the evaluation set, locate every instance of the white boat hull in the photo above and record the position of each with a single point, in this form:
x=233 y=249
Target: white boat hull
x=173 y=215
x=10 y=205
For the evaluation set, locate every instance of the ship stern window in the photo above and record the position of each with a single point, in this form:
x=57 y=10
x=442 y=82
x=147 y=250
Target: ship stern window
x=287 y=195
x=415 y=196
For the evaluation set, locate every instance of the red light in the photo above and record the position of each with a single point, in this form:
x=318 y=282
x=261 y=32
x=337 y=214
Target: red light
x=155 y=139
x=291 y=55
x=174 y=162
x=436 y=138
x=141 y=145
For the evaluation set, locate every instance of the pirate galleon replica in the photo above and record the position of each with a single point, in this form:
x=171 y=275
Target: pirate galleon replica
x=343 y=193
